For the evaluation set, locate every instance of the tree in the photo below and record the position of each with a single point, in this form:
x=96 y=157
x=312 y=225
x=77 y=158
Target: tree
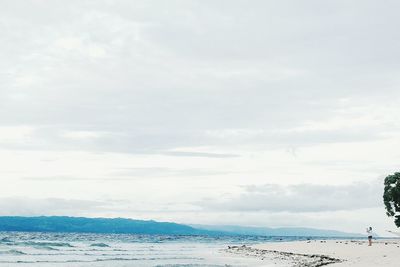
x=391 y=197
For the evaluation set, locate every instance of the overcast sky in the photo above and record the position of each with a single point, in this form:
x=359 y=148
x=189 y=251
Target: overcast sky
x=259 y=113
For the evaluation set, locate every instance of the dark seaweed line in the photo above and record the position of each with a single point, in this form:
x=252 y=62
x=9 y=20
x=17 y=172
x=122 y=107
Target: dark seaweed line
x=317 y=260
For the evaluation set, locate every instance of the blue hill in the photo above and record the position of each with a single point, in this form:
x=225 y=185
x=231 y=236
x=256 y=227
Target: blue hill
x=265 y=231
x=130 y=226
x=95 y=225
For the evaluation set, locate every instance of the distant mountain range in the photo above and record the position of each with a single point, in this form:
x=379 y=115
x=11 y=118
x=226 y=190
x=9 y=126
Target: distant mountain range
x=95 y=225
x=129 y=226
x=284 y=231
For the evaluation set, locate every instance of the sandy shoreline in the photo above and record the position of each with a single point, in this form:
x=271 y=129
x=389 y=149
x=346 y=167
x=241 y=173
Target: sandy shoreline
x=316 y=253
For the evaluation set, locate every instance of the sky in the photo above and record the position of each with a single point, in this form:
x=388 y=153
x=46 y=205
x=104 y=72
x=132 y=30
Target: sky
x=256 y=113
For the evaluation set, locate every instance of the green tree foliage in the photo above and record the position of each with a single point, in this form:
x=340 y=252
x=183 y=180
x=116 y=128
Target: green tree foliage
x=391 y=197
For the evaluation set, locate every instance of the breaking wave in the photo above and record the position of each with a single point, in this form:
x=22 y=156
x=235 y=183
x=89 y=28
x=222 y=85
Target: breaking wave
x=46 y=244
x=12 y=252
x=101 y=245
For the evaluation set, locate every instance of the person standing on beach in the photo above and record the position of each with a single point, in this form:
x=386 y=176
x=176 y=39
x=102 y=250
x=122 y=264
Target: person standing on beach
x=369 y=232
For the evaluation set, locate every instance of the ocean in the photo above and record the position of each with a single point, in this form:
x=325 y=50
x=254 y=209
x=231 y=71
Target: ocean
x=117 y=250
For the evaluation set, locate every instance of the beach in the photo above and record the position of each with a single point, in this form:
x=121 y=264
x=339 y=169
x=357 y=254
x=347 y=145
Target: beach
x=313 y=253
x=123 y=250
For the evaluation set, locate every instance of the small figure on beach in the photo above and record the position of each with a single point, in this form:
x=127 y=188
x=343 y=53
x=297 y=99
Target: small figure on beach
x=369 y=233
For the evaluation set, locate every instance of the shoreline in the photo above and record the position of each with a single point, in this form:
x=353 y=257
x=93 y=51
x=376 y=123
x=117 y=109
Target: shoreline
x=283 y=257
x=315 y=253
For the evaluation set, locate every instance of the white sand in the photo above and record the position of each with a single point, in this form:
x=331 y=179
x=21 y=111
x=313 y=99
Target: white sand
x=355 y=253
x=351 y=253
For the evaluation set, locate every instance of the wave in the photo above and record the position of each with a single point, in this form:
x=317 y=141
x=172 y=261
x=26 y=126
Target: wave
x=72 y=261
x=190 y=265
x=149 y=259
x=104 y=254
x=117 y=259
x=102 y=245
x=12 y=252
x=48 y=248
x=46 y=244
x=6 y=240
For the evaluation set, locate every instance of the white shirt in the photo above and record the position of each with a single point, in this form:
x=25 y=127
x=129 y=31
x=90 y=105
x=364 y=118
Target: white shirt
x=370 y=233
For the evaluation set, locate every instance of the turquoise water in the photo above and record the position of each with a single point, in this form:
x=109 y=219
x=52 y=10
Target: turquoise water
x=72 y=249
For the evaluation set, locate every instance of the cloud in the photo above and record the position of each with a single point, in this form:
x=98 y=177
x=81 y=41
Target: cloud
x=300 y=198
x=127 y=174
x=198 y=154
x=99 y=91
x=48 y=206
x=167 y=172
x=26 y=206
x=81 y=134
x=15 y=134
x=158 y=78
x=61 y=178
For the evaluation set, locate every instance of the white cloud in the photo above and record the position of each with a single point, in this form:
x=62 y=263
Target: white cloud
x=82 y=134
x=25 y=206
x=15 y=134
x=301 y=198
x=197 y=98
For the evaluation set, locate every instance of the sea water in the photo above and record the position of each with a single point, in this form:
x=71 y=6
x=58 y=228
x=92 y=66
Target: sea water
x=118 y=250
